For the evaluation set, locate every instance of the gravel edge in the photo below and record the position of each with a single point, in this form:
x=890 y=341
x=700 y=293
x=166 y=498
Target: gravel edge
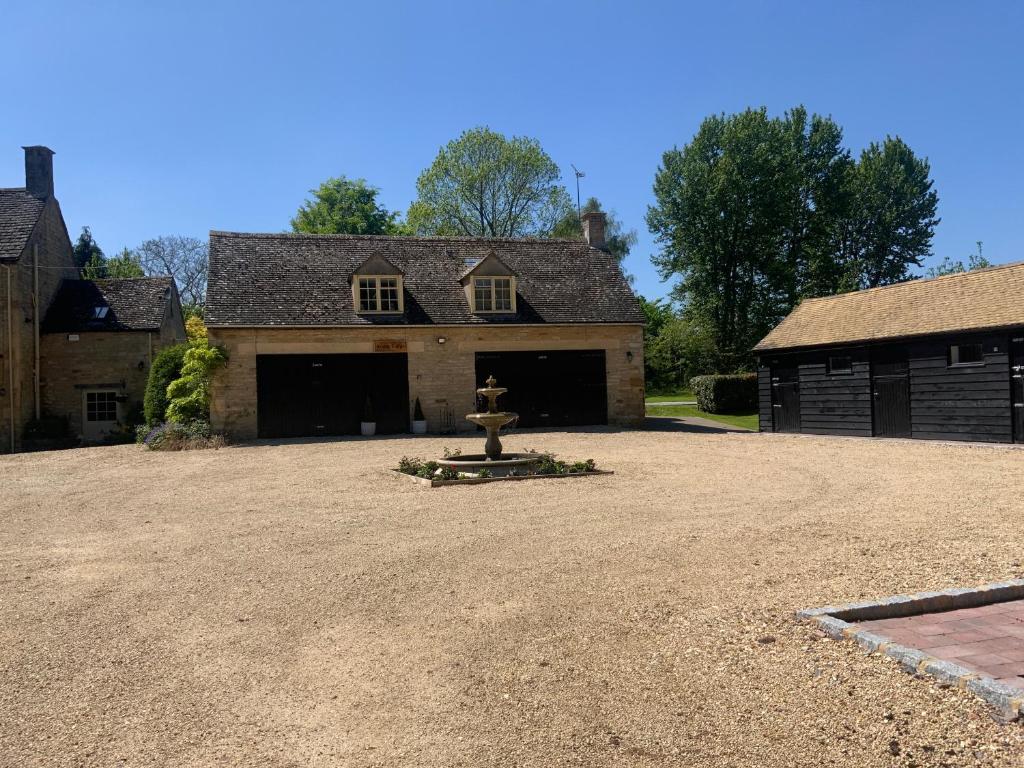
x=836 y=622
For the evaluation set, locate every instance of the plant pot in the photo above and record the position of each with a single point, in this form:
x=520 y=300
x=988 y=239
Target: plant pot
x=368 y=428
x=419 y=426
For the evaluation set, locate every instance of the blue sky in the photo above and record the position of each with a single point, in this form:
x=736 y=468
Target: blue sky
x=196 y=116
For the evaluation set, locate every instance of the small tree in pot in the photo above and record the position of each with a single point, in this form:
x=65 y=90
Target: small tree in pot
x=419 y=421
x=368 y=426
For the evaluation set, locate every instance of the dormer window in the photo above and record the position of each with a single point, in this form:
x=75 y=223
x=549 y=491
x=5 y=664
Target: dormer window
x=493 y=294
x=378 y=293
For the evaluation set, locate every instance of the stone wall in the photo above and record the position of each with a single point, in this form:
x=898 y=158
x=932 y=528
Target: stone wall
x=441 y=375
x=109 y=360
x=17 y=344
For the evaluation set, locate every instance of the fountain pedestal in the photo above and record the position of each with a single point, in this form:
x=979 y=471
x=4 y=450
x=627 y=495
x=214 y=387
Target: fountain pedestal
x=494 y=459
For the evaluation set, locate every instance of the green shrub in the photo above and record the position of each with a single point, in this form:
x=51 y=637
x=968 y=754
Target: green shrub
x=583 y=466
x=166 y=368
x=189 y=395
x=409 y=465
x=448 y=473
x=549 y=465
x=734 y=393
x=427 y=469
x=485 y=472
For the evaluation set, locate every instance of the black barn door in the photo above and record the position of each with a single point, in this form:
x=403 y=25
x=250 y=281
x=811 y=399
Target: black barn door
x=785 y=400
x=890 y=388
x=559 y=388
x=1017 y=387
x=320 y=395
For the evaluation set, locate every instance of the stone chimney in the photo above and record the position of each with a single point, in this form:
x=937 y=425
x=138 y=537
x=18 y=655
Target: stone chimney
x=39 y=171
x=593 y=228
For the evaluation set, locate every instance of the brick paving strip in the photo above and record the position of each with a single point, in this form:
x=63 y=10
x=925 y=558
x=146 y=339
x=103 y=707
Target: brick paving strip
x=968 y=638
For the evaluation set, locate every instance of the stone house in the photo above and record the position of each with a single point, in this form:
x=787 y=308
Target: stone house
x=36 y=266
x=320 y=329
x=98 y=342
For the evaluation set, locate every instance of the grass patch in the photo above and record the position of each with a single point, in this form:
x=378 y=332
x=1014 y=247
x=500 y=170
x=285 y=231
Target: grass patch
x=746 y=420
x=671 y=398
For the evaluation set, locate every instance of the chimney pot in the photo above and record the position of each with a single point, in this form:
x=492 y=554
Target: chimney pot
x=39 y=171
x=594 y=224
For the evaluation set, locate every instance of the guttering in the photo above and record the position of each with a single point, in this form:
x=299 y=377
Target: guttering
x=10 y=355
x=35 y=327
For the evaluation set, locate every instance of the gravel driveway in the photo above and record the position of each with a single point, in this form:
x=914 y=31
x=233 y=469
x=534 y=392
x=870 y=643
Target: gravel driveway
x=289 y=605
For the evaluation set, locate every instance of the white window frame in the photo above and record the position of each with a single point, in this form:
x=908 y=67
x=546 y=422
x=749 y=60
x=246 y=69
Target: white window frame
x=953 y=360
x=493 y=291
x=357 y=294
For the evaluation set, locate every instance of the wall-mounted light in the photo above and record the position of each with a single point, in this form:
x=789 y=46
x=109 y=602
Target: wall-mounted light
x=142 y=365
x=441 y=339
x=629 y=355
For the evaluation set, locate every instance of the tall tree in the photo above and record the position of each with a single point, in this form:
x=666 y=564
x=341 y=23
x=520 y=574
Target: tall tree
x=756 y=213
x=894 y=214
x=125 y=264
x=484 y=184
x=184 y=258
x=618 y=240
x=345 y=206
x=87 y=250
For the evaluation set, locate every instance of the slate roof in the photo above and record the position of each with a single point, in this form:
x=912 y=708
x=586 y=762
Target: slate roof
x=134 y=304
x=304 y=280
x=970 y=301
x=19 y=212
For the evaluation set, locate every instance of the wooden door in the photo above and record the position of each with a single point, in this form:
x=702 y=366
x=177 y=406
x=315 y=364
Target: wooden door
x=785 y=400
x=890 y=389
x=1017 y=387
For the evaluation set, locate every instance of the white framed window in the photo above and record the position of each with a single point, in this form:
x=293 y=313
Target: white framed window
x=101 y=406
x=840 y=364
x=966 y=354
x=493 y=294
x=377 y=294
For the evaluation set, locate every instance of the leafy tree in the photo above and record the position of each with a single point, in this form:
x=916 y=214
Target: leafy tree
x=95 y=268
x=99 y=267
x=675 y=350
x=195 y=329
x=345 y=206
x=617 y=239
x=894 y=215
x=756 y=213
x=950 y=267
x=125 y=264
x=86 y=250
x=189 y=395
x=166 y=368
x=186 y=259
x=484 y=184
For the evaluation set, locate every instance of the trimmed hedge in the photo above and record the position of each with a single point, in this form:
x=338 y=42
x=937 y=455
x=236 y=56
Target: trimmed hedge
x=165 y=369
x=735 y=393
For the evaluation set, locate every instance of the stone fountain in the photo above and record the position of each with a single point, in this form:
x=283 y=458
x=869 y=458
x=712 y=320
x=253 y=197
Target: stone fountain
x=493 y=459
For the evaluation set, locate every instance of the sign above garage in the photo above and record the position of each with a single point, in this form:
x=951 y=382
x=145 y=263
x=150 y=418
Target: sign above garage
x=389 y=345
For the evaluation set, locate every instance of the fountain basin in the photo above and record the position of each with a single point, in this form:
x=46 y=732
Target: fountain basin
x=508 y=464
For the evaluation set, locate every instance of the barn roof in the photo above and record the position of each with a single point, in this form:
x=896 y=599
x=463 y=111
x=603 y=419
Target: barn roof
x=969 y=301
x=123 y=304
x=304 y=280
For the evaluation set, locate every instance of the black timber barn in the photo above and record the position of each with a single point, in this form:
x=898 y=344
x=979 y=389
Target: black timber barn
x=933 y=359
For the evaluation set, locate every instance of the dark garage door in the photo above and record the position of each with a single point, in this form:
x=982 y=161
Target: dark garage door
x=312 y=395
x=549 y=389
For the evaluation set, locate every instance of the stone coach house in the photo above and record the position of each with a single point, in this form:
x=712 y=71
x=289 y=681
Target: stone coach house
x=71 y=350
x=318 y=327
